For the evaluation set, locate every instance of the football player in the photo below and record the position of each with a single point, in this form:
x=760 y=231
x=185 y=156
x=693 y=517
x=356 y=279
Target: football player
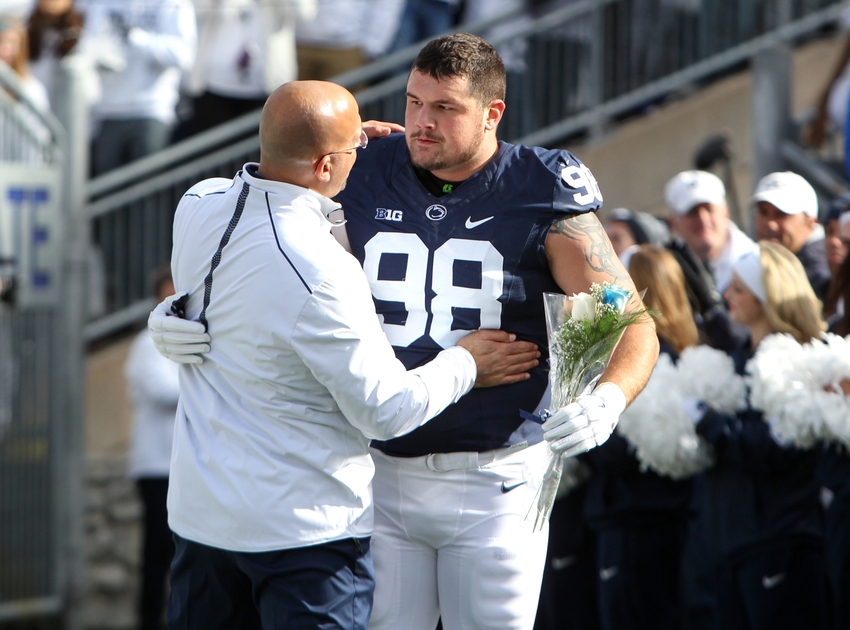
x=458 y=231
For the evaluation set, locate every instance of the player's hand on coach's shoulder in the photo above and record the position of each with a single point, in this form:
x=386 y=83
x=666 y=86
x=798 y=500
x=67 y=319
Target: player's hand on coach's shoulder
x=500 y=358
x=181 y=340
x=586 y=423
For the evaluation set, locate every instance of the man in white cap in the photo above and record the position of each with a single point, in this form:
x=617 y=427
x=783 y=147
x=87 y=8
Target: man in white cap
x=787 y=213
x=700 y=216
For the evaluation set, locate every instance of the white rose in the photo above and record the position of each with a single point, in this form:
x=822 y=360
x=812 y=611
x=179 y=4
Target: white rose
x=584 y=307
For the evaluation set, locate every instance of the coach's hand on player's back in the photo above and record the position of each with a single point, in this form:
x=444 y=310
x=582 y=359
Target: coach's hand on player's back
x=500 y=358
x=178 y=339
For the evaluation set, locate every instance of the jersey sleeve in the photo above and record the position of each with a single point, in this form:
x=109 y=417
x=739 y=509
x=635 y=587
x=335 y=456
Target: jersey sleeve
x=575 y=189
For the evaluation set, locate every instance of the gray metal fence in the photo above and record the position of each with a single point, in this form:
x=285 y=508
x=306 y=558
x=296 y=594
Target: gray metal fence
x=27 y=537
x=38 y=420
x=573 y=65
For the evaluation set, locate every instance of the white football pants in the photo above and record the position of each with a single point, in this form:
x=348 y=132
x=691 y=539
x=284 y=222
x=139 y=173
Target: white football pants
x=452 y=540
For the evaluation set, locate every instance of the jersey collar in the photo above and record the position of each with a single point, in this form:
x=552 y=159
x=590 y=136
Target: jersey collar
x=320 y=204
x=478 y=184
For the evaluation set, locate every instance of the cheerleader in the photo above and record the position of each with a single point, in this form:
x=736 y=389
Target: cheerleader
x=640 y=517
x=760 y=507
x=834 y=465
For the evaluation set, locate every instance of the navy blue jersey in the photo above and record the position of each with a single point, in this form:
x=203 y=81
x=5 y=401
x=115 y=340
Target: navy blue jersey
x=440 y=268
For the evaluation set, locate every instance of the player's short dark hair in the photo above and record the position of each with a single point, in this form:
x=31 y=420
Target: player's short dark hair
x=465 y=55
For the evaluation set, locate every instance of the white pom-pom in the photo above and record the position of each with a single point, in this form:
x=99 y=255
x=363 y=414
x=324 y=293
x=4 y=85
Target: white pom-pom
x=796 y=386
x=709 y=375
x=828 y=364
x=655 y=424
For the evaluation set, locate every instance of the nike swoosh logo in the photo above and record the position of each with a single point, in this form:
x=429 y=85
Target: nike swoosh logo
x=770 y=581
x=563 y=563
x=607 y=574
x=470 y=224
x=507 y=488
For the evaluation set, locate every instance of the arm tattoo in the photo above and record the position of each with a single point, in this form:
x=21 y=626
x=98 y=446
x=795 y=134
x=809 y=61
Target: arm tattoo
x=588 y=231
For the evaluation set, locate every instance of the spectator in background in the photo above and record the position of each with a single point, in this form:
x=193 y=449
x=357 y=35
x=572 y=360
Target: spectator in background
x=787 y=213
x=638 y=516
x=709 y=246
x=520 y=118
x=424 y=19
x=246 y=49
x=142 y=48
x=834 y=464
x=345 y=34
x=700 y=216
x=54 y=29
x=14 y=52
x=836 y=248
x=629 y=229
x=154 y=389
x=568 y=591
x=838 y=298
x=832 y=104
x=760 y=506
x=563 y=62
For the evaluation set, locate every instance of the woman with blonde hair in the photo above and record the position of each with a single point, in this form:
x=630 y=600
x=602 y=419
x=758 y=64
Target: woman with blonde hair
x=655 y=269
x=760 y=508
x=640 y=517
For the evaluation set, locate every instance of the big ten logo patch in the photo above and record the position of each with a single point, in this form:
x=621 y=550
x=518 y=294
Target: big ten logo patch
x=385 y=214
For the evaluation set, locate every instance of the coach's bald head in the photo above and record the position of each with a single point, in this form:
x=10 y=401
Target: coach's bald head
x=302 y=123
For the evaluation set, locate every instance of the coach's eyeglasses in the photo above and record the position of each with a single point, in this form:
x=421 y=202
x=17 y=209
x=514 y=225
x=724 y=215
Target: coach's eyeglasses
x=364 y=141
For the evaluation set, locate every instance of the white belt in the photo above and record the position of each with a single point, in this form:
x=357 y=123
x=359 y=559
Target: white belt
x=441 y=462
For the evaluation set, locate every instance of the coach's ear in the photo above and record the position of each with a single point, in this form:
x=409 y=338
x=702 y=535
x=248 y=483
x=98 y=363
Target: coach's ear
x=323 y=169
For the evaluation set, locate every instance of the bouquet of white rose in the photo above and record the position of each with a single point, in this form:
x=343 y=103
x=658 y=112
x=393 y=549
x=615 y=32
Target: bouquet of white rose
x=583 y=332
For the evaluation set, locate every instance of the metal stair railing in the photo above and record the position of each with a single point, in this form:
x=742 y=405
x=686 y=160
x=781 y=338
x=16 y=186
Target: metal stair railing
x=572 y=66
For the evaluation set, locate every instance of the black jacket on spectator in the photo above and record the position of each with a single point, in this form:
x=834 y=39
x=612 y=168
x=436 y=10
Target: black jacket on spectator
x=620 y=494
x=834 y=473
x=761 y=522
x=813 y=257
x=758 y=491
x=640 y=521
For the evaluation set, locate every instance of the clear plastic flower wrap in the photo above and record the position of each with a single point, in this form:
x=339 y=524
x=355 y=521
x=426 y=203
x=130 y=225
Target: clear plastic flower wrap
x=583 y=330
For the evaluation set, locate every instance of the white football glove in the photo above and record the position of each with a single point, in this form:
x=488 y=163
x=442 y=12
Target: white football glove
x=585 y=423
x=178 y=339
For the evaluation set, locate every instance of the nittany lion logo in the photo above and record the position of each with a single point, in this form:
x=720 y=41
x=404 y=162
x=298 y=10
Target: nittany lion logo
x=436 y=212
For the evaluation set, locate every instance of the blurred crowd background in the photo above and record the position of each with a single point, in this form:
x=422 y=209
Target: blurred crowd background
x=761 y=539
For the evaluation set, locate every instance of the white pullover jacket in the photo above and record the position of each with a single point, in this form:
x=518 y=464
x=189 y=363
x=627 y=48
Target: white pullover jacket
x=272 y=430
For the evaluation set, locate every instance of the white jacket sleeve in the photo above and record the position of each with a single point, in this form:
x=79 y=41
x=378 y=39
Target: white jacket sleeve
x=340 y=339
x=175 y=42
